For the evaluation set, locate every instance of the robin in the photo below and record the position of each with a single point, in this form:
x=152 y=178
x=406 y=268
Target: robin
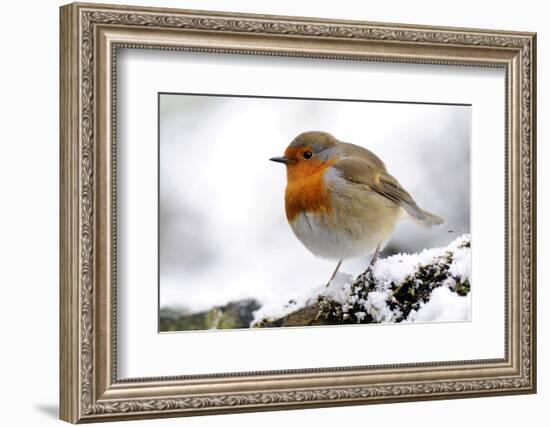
x=340 y=200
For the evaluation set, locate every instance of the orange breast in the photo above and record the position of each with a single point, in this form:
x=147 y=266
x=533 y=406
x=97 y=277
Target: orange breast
x=306 y=189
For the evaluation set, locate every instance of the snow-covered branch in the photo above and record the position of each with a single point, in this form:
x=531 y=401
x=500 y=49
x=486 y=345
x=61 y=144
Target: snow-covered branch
x=433 y=285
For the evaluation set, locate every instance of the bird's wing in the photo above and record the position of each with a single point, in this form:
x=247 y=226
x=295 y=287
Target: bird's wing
x=355 y=151
x=361 y=171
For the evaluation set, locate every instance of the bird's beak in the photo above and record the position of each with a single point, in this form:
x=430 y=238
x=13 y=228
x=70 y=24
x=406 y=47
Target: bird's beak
x=285 y=160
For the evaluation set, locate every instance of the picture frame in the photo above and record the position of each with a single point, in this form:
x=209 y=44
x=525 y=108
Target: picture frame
x=91 y=35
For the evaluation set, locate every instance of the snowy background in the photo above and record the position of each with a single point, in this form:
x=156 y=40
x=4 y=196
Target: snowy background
x=223 y=232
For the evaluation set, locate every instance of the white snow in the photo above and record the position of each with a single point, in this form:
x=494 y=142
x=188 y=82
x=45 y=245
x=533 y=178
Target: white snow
x=396 y=268
x=443 y=306
x=339 y=288
x=377 y=307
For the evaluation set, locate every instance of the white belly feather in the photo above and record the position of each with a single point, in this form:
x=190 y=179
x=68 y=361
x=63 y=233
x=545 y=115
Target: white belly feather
x=329 y=242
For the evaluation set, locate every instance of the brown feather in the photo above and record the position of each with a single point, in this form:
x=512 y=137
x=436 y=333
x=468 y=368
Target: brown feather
x=366 y=170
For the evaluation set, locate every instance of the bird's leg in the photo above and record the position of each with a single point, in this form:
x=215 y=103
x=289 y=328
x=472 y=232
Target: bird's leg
x=375 y=256
x=335 y=271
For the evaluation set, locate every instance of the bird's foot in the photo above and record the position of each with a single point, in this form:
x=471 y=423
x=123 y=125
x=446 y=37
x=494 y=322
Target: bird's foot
x=334 y=274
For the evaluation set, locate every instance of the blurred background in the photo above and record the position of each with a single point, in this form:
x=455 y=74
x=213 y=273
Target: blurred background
x=223 y=232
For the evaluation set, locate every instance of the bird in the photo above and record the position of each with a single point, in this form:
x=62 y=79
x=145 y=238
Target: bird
x=340 y=200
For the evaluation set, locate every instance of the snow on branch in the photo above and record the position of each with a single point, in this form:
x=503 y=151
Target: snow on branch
x=433 y=285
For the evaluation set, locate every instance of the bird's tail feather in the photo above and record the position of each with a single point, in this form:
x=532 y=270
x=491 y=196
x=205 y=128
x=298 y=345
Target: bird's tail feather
x=427 y=219
x=421 y=216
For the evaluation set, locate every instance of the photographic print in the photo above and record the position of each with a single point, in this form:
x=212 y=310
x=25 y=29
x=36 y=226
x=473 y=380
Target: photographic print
x=279 y=212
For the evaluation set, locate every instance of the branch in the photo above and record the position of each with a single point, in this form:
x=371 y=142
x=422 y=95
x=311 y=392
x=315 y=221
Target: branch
x=432 y=285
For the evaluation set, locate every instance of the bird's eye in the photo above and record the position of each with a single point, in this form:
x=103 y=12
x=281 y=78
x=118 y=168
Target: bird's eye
x=307 y=154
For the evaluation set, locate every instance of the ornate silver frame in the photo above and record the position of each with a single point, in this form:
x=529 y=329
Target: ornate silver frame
x=90 y=36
